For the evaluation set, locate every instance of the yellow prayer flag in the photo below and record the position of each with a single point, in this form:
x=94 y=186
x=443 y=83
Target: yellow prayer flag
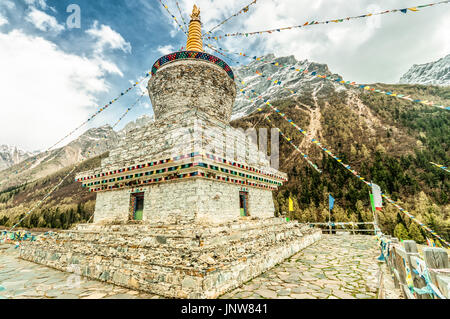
x=413 y=9
x=291 y=205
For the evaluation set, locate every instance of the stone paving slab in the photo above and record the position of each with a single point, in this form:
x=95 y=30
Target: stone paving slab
x=336 y=267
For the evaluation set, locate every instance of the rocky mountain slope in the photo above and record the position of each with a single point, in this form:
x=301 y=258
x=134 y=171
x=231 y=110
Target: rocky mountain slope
x=11 y=155
x=433 y=73
x=93 y=142
x=291 y=81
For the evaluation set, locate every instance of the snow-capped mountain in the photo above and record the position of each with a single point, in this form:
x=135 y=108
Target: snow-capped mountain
x=292 y=80
x=11 y=155
x=433 y=73
x=93 y=142
x=24 y=166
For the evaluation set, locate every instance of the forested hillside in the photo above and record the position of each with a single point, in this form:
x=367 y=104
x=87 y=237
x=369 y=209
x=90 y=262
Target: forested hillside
x=68 y=205
x=387 y=140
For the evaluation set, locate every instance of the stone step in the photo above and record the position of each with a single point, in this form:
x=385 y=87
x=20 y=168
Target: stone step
x=164 y=240
x=177 y=230
x=167 y=256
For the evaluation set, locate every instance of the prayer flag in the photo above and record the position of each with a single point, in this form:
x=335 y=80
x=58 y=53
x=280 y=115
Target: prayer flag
x=371 y=202
x=377 y=199
x=330 y=202
x=291 y=205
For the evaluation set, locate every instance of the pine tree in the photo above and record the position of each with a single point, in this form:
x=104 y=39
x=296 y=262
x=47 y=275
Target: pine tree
x=415 y=234
x=400 y=232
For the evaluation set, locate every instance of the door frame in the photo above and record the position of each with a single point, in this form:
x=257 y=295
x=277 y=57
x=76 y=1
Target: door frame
x=244 y=194
x=133 y=205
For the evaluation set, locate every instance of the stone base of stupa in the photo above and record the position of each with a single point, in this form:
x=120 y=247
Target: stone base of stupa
x=175 y=261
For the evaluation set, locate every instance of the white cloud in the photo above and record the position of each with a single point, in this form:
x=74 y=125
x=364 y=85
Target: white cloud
x=165 y=49
x=46 y=91
x=43 y=21
x=108 y=38
x=3 y=20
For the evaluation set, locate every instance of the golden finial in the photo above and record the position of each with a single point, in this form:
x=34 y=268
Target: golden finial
x=195 y=13
x=194 y=40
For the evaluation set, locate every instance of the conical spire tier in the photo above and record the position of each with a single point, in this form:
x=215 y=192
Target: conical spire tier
x=194 y=40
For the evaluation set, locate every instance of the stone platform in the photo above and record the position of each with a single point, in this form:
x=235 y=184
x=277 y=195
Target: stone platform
x=176 y=261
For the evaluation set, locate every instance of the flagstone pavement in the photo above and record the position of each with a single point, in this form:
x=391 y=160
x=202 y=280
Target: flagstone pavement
x=336 y=267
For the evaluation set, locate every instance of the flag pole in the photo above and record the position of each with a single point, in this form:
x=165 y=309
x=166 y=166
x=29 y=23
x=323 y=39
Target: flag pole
x=329 y=213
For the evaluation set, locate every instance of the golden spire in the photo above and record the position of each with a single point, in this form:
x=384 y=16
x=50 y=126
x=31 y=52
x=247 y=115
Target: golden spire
x=194 y=40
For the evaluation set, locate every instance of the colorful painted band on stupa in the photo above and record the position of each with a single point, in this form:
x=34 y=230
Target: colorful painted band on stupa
x=191 y=55
x=193 y=174
x=282 y=177
x=181 y=167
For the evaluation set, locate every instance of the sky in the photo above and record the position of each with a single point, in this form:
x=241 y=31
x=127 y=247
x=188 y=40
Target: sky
x=53 y=75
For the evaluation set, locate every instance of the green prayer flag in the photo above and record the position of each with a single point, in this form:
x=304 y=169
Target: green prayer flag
x=371 y=202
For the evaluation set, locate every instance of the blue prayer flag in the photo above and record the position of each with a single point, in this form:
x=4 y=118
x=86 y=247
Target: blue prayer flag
x=330 y=202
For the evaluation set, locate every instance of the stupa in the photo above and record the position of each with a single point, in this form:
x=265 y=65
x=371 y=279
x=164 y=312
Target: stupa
x=184 y=205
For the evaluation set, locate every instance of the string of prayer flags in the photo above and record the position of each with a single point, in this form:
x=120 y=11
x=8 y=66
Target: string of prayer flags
x=99 y=111
x=243 y=10
x=16 y=236
x=128 y=110
x=311 y=23
x=441 y=167
x=175 y=18
x=228 y=51
x=181 y=15
x=39 y=203
x=289 y=140
x=221 y=53
x=413 y=218
x=366 y=88
x=30 y=161
x=295 y=68
x=430 y=242
x=351 y=170
x=44 y=198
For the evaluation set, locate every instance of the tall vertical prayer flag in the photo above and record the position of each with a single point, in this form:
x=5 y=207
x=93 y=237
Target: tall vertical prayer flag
x=330 y=202
x=377 y=199
x=371 y=202
x=291 y=205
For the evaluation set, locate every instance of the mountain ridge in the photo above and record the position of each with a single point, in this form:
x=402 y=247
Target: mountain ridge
x=432 y=73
